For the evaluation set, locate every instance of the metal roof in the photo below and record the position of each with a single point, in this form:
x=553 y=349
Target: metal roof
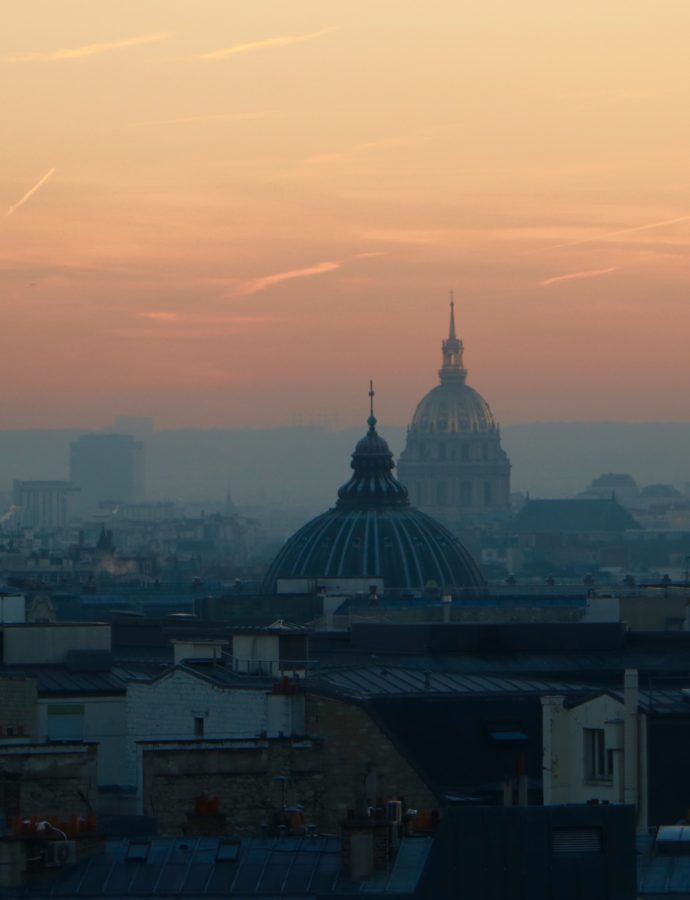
x=59 y=680
x=375 y=681
x=294 y=867
x=661 y=872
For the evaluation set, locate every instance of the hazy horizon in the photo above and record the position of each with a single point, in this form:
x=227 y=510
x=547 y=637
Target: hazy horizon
x=304 y=466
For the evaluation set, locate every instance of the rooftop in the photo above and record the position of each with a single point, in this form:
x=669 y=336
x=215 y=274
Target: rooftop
x=297 y=867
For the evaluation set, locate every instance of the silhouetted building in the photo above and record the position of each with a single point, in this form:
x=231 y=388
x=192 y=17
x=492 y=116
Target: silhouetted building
x=613 y=485
x=42 y=504
x=107 y=467
x=374 y=533
x=453 y=462
x=585 y=533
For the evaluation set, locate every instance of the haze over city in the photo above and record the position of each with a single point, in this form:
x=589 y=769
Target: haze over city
x=235 y=213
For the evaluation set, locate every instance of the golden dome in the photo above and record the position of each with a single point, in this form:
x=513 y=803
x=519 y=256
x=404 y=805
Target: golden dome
x=450 y=407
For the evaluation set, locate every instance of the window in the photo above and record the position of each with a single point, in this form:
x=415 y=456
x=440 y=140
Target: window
x=198 y=726
x=466 y=493
x=65 y=722
x=487 y=493
x=138 y=851
x=598 y=761
x=465 y=452
x=576 y=840
x=441 y=493
x=441 y=452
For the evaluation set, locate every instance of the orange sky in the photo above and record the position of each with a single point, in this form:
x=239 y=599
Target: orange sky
x=235 y=212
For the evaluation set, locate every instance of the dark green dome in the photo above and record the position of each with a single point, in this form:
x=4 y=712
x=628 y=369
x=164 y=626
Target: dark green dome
x=373 y=532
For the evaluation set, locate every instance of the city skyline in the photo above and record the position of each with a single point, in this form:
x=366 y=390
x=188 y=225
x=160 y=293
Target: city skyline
x=233 y=218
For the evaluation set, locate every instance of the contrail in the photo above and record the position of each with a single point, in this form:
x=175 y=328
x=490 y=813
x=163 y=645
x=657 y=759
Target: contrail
x=226 y=52
x=29 y=193
x=576 y=276
x=620 y=231
x=89 y=49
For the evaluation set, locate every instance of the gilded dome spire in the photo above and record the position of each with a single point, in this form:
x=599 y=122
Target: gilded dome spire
x=451 y=329
x=452 y=368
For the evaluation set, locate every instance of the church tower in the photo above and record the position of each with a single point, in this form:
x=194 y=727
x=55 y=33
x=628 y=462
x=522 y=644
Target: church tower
x=453 y=464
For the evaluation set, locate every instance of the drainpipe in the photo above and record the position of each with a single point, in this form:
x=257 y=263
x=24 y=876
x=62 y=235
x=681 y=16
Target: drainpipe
x=552 y=706
x=631 y=762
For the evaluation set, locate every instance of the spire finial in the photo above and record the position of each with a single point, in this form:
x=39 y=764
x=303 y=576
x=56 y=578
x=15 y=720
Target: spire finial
x=451 y=330
x=452 y=368
x=371 y=421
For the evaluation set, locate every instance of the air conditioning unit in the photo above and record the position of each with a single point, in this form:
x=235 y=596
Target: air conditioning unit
x=60 y=853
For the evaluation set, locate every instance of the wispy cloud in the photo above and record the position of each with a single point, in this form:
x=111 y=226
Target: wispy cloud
x=171 y=326
x=161 y=316
x=89 y=49
x=254 y=285
x=215 y=117
x=383 y=144
x=620 y=231
x=266 y=44
x=576 y=276
x=29 y=193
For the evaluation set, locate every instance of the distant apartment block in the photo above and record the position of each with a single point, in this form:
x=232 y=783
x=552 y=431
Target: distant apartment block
x=43 y=504
x=107 y=467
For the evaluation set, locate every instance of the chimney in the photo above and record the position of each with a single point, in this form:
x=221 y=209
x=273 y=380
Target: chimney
x=630 y=737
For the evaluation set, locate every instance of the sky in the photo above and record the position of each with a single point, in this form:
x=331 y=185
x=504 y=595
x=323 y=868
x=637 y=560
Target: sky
x=236 y=212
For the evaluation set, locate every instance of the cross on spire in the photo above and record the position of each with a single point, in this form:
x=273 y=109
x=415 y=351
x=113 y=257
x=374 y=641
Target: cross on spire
x=372 y=418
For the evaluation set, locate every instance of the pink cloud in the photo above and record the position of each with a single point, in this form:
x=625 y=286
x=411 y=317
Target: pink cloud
x=254 y=285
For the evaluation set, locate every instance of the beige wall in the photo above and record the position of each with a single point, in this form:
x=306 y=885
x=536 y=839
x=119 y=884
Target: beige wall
x=565 y=779
x=655 y=612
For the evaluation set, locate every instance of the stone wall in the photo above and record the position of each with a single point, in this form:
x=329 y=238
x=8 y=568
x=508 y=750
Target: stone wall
x=345 y=760
x=18 y=705
x=360 y=761
x=241 y=774
x=48 y=780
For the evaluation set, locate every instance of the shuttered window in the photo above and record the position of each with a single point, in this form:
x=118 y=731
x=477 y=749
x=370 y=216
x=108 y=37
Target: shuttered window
x=576 y=840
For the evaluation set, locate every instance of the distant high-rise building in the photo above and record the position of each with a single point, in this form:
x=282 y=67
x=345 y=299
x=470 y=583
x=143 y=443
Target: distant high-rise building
x=43 y=504
x=453 y=464
x=107 y=467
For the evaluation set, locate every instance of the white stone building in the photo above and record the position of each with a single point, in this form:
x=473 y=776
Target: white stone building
x=596 y=750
